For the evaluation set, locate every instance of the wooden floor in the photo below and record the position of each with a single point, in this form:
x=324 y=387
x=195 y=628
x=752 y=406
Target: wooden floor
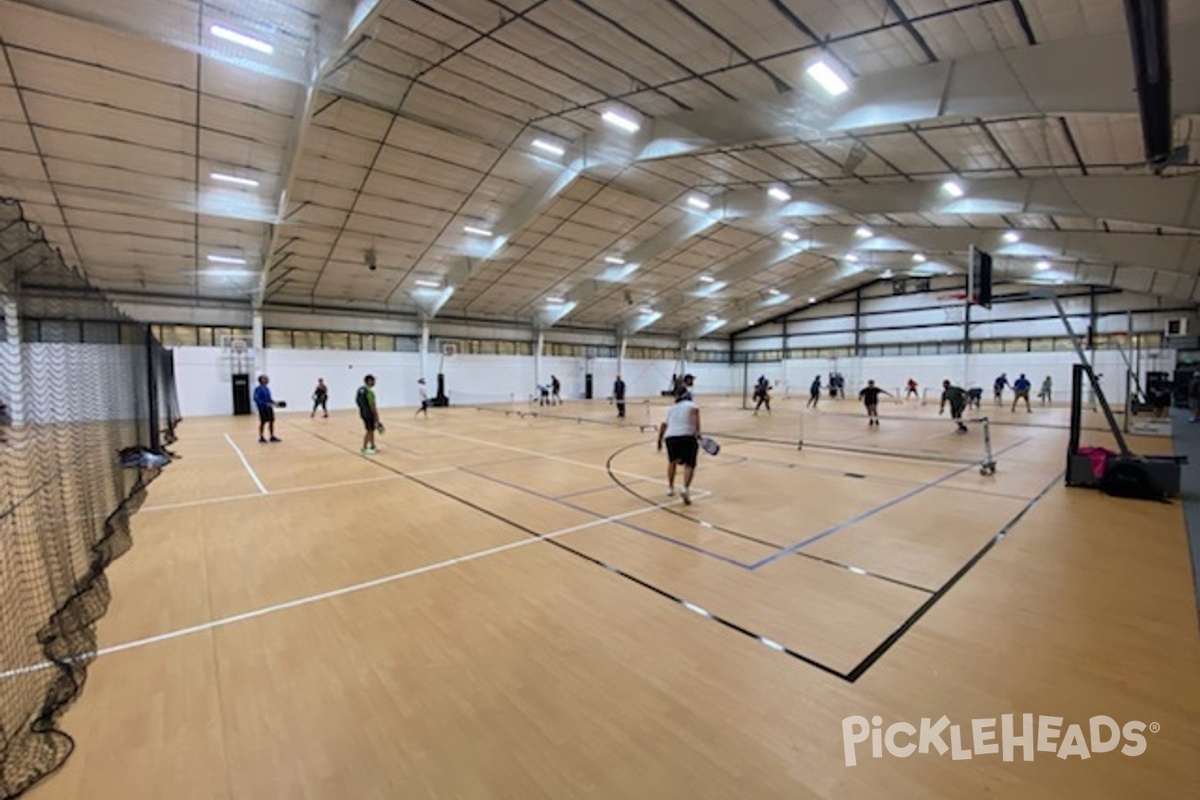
x=502 y=605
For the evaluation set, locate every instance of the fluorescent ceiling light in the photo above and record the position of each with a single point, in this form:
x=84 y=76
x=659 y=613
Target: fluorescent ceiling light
x=1043 y=265
x=1012 y=237
x=221 y=176
x=791 y=236
x=919 y=258
x=614 y=260
x=812 y=299
x=887 y=273
x=695 y=201
x=216 y=259
x=477 y=231
x=750 y=321
x=851 y=257
x=779 y=194
x=556 y=301
x=618 y=121
x=953 y=188
x=774 y=291
x=240 y=38
x=707 y=279
x=428 y=284
x=864 y=232
x=547 y=147
x=829 y=80
x=227 y=273
x=646 y=310
x=711 y=318
x=1060 y=281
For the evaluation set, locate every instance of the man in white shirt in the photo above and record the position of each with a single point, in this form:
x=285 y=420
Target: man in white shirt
x=681 y=432
x=424 y=409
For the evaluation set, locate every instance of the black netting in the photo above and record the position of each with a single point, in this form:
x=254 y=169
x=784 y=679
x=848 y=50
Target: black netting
x=87 y=400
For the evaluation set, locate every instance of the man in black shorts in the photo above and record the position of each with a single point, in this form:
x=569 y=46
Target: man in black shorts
x=957 y=398
x=365 y=400
x=870 y=397
x=681 y=432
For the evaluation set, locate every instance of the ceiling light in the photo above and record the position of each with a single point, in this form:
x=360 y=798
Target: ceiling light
x=829 y=80
x=919 y=258
x=695 y=201
x=953 y=188
x=779 y=194
x=477 y=231
x=887 y=273
x=556 y=301
x=1043 y=265
x=774 y=291
x=240 y=38
x=711 y=318
x=428 y=284
x=750 y=321
x=851 y=257
x=227 y=273
x=221 y=176
x=646 y=310
x=1060 y=281
x=707 y=279
x=216 y=259
x=618 y=121
x=547 y=147
x=614 y=260
x=812 y=299
x=1012 y=237
x=791 y=236
x=864 y=233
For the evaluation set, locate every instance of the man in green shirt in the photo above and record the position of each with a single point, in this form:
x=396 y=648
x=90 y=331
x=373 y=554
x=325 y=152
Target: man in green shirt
x=365 y=400
x=957 y=398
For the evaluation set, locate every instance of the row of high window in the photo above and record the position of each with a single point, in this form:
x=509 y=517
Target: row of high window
x=1144 y=341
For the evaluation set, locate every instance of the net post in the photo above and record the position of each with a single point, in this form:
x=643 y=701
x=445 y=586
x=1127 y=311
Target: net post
x=155 y=441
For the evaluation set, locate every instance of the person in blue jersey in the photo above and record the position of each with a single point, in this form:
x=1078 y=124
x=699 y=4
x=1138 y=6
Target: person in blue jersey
x=266 y=409
x=368 y=413
x=1021 y=387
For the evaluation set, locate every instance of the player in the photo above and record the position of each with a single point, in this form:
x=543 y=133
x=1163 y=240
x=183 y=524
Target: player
x=424 y=409
x=365 y=400
x=1021 y=387
x=814 y=393
x=957 y=398
x=910 y=389
x=619 y=395
x=870 y=397
x=762 y=394
x=266 y=409
x=320 y=398
x=998 y=388
x=681 y=432
x=1046 y=390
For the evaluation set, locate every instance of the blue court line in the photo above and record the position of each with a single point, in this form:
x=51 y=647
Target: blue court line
x=583 y=492
x=622 y=523
x=841 y=526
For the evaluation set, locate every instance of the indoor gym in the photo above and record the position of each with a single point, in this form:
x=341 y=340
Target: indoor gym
x=503 y=601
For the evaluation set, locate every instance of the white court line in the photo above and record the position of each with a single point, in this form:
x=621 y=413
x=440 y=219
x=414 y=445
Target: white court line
x=246 y=464
x=531 y=453
x=357 y=587
x=296 y=489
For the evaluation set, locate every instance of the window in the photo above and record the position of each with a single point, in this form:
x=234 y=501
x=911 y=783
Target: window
x=277 y=338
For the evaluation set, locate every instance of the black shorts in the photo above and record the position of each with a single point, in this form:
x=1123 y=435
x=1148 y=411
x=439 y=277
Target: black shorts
x=266 y=414
x=682 y=450
x=956 y=408
x=369 y=421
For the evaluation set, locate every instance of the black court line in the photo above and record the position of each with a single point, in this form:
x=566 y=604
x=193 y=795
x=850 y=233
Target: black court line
x=780 y=549
x=889 y=642
x=593 y=560
x=857 y=672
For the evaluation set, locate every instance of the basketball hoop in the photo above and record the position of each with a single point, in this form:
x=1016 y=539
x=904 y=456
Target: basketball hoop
x=449 y=349
x=954 y=307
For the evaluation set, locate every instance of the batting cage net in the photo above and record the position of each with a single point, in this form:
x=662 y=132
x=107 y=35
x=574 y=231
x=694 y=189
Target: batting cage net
x=87 y=405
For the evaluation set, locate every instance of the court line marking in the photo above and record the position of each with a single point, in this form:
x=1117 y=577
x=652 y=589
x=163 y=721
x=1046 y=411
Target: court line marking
x=246 y=464
x=353 y=588
x=290 y=490
x=573 y=462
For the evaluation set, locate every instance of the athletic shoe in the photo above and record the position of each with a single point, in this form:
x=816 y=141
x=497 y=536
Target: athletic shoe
x=368 y=451
x=275 y=439
x=683 y=494
x=261 y=440
x=670 y=491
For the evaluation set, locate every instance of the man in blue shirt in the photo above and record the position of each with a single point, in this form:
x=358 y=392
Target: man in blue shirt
x=266 y=409
x=1021 y=388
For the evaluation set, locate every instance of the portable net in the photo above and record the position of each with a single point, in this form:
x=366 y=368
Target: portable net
x=87 y=401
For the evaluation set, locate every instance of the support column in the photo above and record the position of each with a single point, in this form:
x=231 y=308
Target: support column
x=259 y=341
x=537 y=357
x=425 y=349
x=621 y=344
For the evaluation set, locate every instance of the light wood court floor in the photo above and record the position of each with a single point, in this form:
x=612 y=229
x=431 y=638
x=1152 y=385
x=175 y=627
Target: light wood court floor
x=507 y=605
